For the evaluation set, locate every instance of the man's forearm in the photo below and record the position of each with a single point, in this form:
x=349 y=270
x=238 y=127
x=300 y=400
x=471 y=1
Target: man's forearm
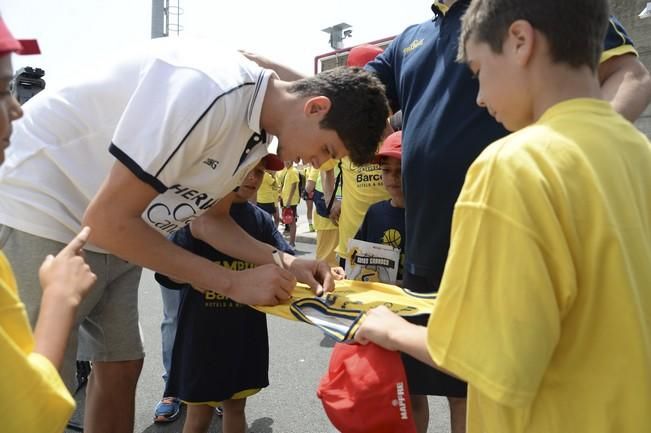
x=225 y=235
x=284 y=72
x=135 y=241
x=626 y=84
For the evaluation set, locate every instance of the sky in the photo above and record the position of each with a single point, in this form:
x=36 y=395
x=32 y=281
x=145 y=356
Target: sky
x=72 y=32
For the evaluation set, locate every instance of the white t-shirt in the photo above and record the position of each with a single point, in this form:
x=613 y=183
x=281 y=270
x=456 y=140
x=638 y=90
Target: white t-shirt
x=181 y=115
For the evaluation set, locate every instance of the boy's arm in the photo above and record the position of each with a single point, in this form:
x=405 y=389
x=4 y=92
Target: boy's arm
x=65 y=279
x=114 y=216
x=290 y=196
x=626 y=83
x=385 y=328
x=309 y=186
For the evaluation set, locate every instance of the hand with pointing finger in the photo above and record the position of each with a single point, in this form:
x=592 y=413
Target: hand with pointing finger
x=66 y=276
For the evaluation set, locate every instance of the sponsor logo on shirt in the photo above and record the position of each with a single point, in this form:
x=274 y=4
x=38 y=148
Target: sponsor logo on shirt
x=411 y=47
x=212 y=163
x=176 y=208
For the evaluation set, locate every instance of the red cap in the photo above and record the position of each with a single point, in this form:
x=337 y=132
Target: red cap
x=365 y=390
x=391 y=147
x=273 y=162
x=362 y=54
x=9 y=44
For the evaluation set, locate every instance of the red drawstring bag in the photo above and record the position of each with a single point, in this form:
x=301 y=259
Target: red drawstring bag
x=288 y=215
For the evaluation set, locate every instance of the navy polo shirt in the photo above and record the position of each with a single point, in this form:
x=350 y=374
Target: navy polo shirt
x=444 y=129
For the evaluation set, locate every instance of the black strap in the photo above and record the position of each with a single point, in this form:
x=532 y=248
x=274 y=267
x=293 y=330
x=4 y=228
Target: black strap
x=334 y=191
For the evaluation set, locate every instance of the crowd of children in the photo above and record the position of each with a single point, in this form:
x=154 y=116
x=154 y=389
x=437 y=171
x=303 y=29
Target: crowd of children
x=538 y=242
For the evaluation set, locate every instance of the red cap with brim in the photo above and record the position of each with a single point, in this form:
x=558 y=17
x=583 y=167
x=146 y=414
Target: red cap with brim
x=362 y=54
x=391 y=147
x=365 y=390
x=273 y=162
x=9 y=44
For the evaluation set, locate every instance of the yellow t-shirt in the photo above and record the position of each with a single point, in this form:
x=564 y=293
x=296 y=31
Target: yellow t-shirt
x=290 y=178
x=362 y=187
x=544 y=307
x=280 y=177
x=34 y=398
x=268 y=192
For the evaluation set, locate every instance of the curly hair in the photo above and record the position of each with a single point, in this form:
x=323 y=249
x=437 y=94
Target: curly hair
x=359 y=108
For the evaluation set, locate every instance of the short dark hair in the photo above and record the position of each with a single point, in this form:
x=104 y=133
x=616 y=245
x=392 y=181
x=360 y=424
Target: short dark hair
x=575 y=29
x=359 y=109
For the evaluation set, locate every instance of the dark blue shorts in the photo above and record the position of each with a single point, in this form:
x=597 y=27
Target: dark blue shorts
x=423 y=379
x=270 y=208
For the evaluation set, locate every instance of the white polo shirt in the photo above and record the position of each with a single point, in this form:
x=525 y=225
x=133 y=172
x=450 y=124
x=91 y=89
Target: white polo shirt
x=181 y=115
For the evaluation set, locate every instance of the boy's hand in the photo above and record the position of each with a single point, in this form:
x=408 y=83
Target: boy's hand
x=377 y=326
x=66 y=276
x=315 y=273
x=263 y=285
x=335 y=211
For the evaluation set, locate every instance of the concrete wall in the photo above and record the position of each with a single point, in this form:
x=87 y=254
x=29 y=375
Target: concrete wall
x=640 y=31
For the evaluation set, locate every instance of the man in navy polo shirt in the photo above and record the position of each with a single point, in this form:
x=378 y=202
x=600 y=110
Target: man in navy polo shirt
x=444 y=130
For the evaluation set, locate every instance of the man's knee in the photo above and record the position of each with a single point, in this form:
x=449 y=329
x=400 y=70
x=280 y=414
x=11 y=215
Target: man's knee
x=117 y=373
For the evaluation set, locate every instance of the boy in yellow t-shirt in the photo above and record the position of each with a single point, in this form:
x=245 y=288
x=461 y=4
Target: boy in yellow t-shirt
x=34 y=397
x=290 y=197
x=544 y=307
x=267 y=196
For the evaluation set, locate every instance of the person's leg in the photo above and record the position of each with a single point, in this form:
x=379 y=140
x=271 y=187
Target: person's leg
x=198 y=418
x=420 y=409
x=326 y=242
x=292 y=234
x=234 y=420
x=292 y=227
x=110 y=338
x=168 y=408
x=171 y=299
x=276 y=216
x=457 y=414
x=110 y=396
x=310 y=206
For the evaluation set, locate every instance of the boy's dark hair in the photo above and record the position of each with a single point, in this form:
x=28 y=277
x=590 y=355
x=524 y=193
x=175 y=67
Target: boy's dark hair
x=359 y=109
x=575 y=29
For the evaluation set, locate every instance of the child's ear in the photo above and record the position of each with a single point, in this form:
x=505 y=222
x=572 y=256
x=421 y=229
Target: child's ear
x=317 y=105
x=520 y=39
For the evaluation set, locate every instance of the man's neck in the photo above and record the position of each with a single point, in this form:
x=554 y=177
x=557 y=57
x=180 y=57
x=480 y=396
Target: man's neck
x=275 y=106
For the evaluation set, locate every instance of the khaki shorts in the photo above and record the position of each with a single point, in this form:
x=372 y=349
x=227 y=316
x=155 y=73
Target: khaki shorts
x=108 y=317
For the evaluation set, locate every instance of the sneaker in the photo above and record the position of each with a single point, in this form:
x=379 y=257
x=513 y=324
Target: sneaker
x=167 y=410
x=311 y=227
x=219 y=411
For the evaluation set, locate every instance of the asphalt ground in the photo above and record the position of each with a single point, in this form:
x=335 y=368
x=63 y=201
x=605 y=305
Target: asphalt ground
x=299 y=356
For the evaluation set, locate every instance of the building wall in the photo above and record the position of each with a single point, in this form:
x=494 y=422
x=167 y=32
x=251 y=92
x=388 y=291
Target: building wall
x=640 y=31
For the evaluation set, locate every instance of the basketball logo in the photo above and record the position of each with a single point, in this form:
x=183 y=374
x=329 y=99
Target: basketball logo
x=392 y=237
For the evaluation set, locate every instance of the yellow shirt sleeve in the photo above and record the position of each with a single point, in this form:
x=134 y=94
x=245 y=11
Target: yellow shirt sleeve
x=32 y=392
x=329 y=165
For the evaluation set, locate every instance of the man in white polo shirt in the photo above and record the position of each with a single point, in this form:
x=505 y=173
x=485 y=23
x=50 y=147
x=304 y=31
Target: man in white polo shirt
x=146 y=146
